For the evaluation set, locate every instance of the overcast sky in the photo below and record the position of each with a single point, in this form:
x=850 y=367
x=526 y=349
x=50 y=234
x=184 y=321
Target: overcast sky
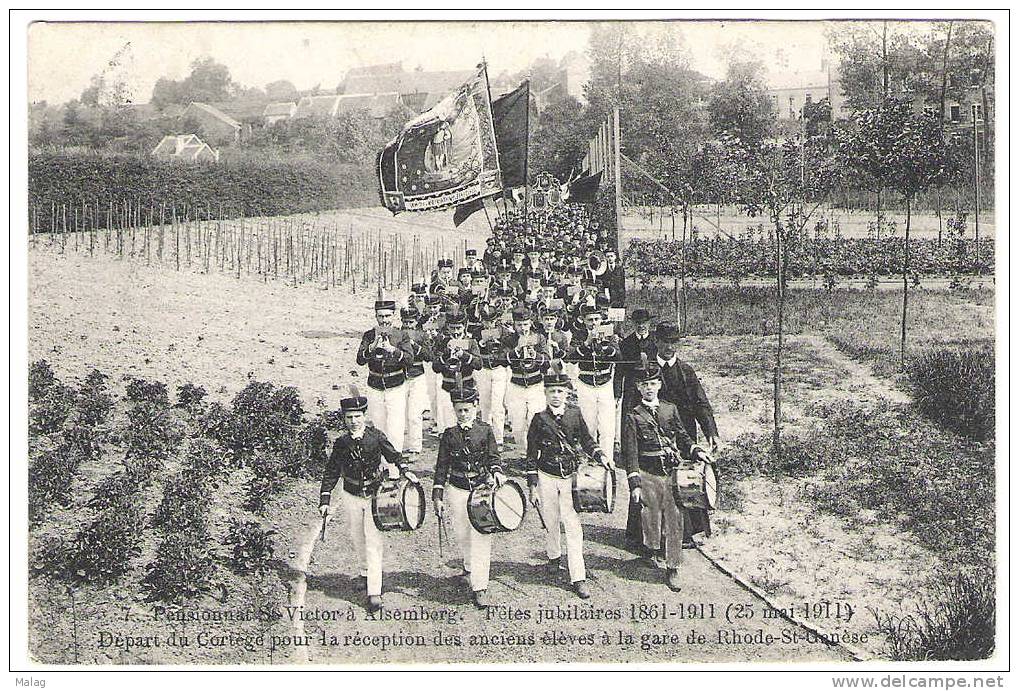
x=64 y=57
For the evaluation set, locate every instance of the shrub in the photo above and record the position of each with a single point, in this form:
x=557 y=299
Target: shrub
x=183 y=567
x=40 y=378
x=251 y=547
x=49 y=478
x=52 y=409
x=152 y=432
x=267 y=480
x=955 y=387
x=955 y=622
x=141 y=391
x=104 y=548
x=190 y=397
x=119 y=490
x=48 y=556
x=183 y=507
x=204 y=461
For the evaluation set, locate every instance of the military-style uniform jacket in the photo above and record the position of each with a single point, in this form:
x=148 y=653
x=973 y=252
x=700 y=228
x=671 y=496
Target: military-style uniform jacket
x=359 y=463
x=560 y=342
x=466 y=458
x=642 y=447
x=681 y=387
x=493 y=351
x=465 y=364
x=421 y=350
x=545 y=448
x=596 y=361
x=527 y=371
x=385 y=370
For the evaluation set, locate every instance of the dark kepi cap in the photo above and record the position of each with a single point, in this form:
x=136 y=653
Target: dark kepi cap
x=471 y=253
x=647 y=372
x=588 y=310
x=668 y=333
x=385 y=305
x=556 y=379
x=479 y=273
x=433 y=300
x=521 y=314
x=463 y=395
x=354 y=404
x=419 y=288
x=445 y=263
x=640 y=315
x=409 y=313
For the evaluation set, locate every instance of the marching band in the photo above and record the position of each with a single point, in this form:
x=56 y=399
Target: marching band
x=513 y=337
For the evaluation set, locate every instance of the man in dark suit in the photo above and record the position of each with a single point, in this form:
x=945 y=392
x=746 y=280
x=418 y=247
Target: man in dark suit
x=631 y=348
x=681 y=387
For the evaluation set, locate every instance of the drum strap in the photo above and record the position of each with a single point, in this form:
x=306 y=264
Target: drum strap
x=665 y=438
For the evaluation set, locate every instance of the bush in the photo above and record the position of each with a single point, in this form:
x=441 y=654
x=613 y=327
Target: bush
x=141 y=391
x=955 y=622
x=152 y=432
x=267 y=480
x=119 y=489
x=40 y=378
x=955 y=387
x=204 y=461
x=251 y=547
x=184 y=505
x=190 y=397
x=49 y=479
x=51 y=411
x=104 y=548
x=183 y=567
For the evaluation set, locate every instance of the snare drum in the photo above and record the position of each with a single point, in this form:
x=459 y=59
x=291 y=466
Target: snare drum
x=399 y=505
x=594 y=489
x=494 y=509
x=695 y=486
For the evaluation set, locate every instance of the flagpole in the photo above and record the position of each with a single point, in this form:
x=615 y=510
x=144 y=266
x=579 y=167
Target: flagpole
x=619 y=183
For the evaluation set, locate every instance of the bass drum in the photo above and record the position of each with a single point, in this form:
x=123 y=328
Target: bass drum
x=399 y=505
x=695 y=485
x=594 y=489
x=492 y=509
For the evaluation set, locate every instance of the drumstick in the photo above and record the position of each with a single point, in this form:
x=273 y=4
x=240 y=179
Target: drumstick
x=322 y=535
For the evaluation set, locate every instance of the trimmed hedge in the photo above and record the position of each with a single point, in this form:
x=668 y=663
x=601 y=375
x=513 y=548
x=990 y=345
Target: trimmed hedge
x=241 y=186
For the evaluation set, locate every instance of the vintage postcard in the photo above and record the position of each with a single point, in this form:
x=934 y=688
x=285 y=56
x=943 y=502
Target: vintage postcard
x=513 y=342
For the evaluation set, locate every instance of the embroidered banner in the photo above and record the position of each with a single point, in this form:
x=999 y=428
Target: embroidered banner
x=444 y=157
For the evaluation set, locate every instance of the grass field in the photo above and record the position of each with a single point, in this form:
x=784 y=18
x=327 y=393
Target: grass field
x=783 y=529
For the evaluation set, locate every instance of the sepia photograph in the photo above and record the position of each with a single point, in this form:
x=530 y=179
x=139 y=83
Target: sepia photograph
x=516 y=343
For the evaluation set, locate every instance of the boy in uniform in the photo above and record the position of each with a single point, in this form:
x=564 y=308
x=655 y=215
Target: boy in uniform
x=361 y=457
x=467 y=458
x=552 y=460
x=386 y=352
x=528 y=359
x=417 y=381
x=654 y=443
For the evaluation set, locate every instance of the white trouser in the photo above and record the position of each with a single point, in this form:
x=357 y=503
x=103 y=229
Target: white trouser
x=445 y=417
x=417 y=402
x=388 y=412
x=556 y=495
x=475 y=547
x=492 y=390
x=433 y=381
x=523 y=403
x=367 y=540
x=598 y=408
x=619 y=419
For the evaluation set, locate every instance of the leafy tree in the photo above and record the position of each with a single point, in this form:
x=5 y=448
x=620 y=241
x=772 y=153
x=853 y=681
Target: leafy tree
x=281 y=90
x=905 y=151
x=557 y=144
x=817 y=117
x=740 y=106
x=208 y=82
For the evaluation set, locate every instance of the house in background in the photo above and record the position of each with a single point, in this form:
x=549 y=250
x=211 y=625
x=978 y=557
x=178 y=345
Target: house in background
x=377 y=105
x=215 y=125
x=185 y=147
x=419 y=90
x=789 y=92
x=278 y=112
